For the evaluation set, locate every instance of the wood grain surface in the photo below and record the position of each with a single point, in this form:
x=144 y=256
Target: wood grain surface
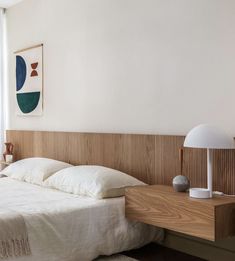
x=210 y=219
x=153 y=159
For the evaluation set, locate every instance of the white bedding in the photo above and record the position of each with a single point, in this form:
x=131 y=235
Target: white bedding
x=67 y=227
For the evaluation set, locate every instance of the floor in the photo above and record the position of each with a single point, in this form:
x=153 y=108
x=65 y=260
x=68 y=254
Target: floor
x=154 y=252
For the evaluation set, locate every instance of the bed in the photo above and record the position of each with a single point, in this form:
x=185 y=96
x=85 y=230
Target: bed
x=67 y=227
x=55 y=227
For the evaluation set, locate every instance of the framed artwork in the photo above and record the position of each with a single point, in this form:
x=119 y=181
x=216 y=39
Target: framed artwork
x=29 y=81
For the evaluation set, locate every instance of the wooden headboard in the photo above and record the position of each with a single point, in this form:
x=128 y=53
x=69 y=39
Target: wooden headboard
x=153 y=159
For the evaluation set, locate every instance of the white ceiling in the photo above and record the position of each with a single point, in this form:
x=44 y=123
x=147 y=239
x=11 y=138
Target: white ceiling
x=8 y=3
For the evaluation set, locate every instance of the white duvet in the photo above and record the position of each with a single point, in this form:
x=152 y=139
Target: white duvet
x=66 y=227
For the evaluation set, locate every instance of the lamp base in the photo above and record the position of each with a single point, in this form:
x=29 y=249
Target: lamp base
x=199 y=193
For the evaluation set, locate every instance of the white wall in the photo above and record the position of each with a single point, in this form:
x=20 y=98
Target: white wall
x=139 y=66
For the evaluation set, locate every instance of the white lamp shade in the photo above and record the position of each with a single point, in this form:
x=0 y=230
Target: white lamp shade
x=208 y=136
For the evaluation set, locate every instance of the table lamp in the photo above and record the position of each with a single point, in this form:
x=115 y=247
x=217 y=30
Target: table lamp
x=207 y=137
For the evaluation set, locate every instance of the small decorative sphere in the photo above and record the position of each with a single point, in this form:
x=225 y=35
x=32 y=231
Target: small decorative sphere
x=181 y=183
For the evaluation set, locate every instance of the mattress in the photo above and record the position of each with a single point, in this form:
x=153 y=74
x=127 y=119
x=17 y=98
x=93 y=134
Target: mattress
x=67 y=227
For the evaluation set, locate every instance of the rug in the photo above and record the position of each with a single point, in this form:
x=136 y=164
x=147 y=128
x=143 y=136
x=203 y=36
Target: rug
x=115 y=258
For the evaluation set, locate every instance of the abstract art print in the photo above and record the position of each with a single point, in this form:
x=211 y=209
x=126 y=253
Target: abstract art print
x=29 y=81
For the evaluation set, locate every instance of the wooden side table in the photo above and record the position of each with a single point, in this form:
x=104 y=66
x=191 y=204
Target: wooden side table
x=161 y=206
x=3 y=165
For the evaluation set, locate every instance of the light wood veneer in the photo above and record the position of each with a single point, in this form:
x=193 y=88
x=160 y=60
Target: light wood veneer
x=153 y=159
x=210 y=219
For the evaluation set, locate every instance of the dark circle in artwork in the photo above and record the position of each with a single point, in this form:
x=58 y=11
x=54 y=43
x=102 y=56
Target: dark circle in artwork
x=28 y=101
x=20 y=72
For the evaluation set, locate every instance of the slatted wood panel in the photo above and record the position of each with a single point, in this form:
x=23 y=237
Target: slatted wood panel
x=151 y=158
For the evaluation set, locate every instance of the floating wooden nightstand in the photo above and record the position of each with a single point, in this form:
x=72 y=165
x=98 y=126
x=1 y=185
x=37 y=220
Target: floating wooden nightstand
x=161 y=206
x=3 y=165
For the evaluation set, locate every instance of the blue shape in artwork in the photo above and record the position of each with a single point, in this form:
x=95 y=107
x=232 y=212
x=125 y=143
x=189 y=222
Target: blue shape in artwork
x=20 y=72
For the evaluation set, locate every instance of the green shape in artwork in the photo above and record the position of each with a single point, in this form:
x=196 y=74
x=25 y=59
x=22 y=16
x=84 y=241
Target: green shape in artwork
x=28 y=101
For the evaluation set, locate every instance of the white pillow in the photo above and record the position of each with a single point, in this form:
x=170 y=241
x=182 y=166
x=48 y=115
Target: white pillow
x=92 y=181
x=34 y=170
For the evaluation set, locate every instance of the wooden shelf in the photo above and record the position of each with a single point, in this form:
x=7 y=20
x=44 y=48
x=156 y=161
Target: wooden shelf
x=4 y=163
x=161 y=206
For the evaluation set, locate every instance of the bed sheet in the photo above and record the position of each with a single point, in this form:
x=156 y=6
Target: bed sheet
x=67 y=227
